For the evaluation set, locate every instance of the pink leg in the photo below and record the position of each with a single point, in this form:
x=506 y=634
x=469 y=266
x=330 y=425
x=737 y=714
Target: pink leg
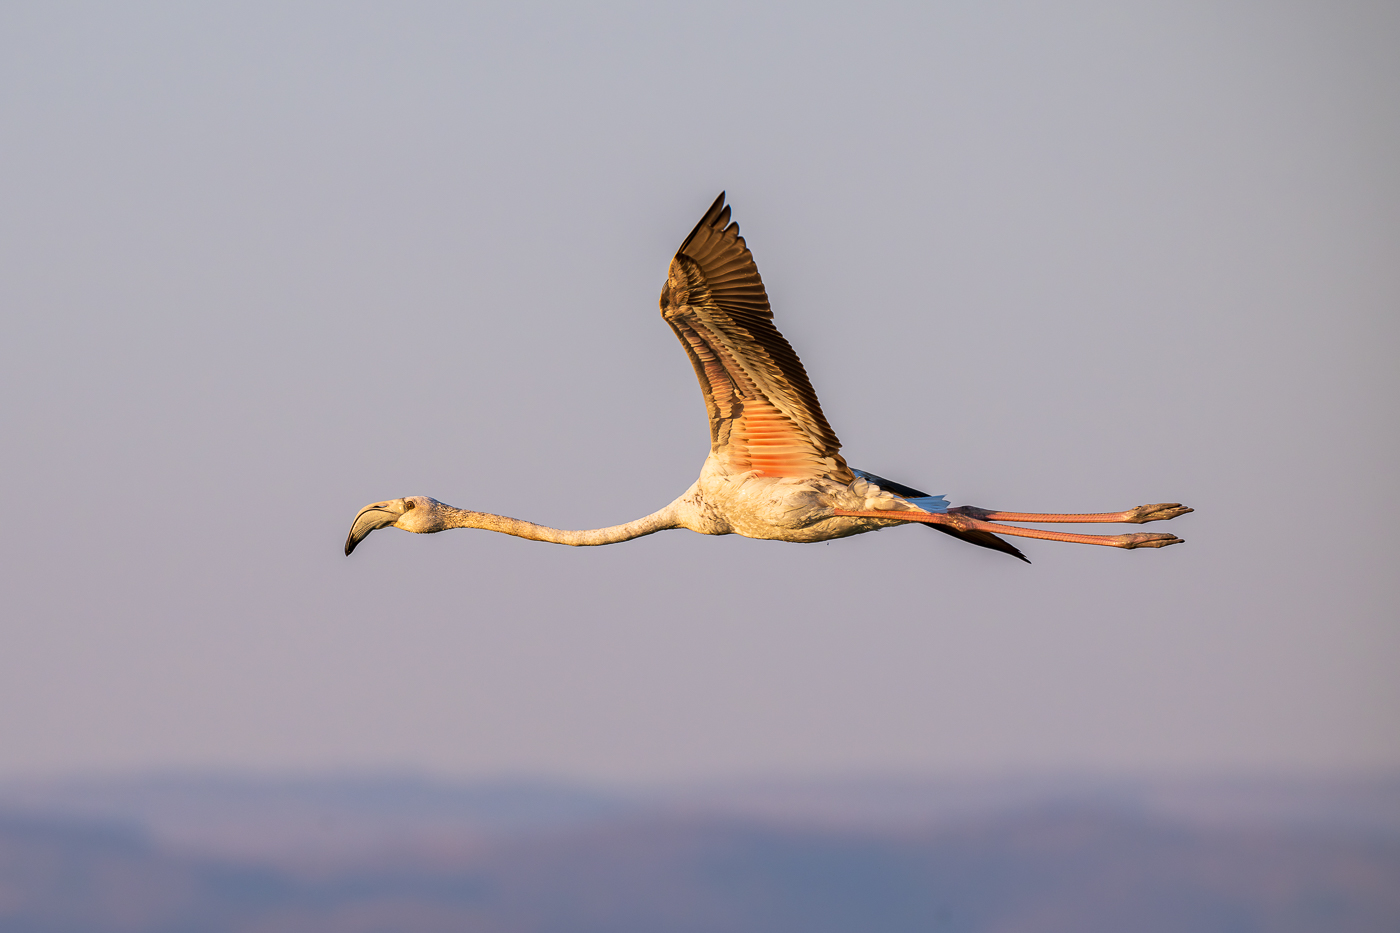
x=1158 y=512
x=965 y=523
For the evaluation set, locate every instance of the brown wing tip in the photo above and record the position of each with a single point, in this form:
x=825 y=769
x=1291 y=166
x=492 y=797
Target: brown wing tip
x=715 y=218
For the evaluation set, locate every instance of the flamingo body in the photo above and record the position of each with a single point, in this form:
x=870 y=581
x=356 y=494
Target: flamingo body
x=775 y=469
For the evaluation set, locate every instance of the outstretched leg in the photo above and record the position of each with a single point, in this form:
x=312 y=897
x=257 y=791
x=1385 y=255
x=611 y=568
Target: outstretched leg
x=965 y=522
x=1157 y=512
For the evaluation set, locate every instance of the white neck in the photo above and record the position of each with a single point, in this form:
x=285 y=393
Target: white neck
x=650 y=524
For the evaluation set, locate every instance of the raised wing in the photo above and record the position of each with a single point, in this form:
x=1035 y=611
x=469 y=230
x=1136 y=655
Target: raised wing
x=763 y=412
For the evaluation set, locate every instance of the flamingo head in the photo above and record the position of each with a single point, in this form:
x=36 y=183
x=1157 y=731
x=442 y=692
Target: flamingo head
x=418 y=514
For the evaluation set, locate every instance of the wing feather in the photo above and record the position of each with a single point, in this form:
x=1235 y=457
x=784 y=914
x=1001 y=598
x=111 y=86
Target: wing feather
x=764 y=414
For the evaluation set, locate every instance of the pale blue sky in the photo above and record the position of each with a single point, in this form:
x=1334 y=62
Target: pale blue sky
x=265 y=263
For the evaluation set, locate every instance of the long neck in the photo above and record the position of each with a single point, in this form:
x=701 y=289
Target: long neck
x=650 y=524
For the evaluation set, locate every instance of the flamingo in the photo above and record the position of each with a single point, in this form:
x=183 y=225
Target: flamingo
x=775 y=469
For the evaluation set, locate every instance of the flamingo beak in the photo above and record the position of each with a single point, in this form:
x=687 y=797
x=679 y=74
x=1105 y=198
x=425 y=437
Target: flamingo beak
x=371 y=517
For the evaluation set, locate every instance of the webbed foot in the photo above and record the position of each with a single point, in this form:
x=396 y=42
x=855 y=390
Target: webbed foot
x=1157 y=512
x=1147 y=540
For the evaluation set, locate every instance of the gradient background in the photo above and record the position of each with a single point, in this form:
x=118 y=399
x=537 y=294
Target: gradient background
x=268 y=262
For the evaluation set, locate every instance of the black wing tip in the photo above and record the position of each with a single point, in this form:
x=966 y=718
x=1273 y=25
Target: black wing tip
x=899 y=489
x=982 y=539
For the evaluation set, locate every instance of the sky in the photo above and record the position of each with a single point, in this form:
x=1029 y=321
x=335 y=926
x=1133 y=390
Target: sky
x=268 y=262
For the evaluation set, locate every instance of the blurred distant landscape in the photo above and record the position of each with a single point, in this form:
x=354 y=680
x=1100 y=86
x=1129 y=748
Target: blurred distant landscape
x=203 y=853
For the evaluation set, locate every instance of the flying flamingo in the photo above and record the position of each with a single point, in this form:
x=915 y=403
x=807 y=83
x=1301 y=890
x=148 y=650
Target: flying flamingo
x=775 y=469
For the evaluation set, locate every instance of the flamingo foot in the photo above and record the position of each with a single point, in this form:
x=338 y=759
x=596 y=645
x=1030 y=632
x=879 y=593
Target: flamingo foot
x=1147 y=540
x=1157 y=512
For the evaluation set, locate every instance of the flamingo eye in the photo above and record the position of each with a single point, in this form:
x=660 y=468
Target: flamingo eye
x=409 y=505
